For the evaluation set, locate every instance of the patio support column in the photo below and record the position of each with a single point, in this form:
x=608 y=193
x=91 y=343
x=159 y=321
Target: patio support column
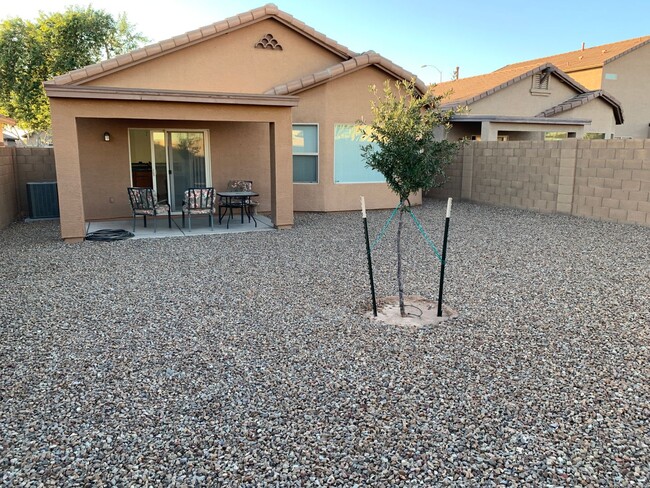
x=281 y=171
x=68 y=171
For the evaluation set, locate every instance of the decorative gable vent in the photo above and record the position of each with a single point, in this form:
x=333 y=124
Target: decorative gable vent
x=268 y=42
x=540 y=80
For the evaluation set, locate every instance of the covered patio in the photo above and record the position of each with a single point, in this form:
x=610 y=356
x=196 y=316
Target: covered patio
x=246 y=137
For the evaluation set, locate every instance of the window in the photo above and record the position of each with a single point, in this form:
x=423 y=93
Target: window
x=349 y=166
x=305 y=153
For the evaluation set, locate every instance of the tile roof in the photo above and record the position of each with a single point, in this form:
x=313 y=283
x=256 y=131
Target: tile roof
x=369 y=58
x=582 y=99
x=466 y=91
x=93 y=71
x=6 y=120
x=592 y=57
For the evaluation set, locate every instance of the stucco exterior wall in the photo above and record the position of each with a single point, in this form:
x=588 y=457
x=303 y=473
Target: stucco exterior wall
x=98 y=176
x=601 y=179
x=517 y=99
x=630 y=88
x=229 y=63
x=341 y=101
x=237 y=150
x=599 y=112
x=8 y=198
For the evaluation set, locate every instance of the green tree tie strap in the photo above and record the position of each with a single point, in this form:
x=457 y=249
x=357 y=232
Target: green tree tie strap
x=383 y=229
x=424 y=234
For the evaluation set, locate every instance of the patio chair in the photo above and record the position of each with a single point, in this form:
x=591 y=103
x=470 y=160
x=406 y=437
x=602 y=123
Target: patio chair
x=245 y=205
x=198 y=201
x=144 y=202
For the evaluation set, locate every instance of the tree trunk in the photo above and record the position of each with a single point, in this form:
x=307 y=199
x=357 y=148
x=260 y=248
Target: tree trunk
x=400 y=283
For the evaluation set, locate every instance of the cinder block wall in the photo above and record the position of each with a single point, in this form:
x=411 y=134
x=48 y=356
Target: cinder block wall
x=602 y=179
x=8 y=201
x=613 y=180
x=33 y=164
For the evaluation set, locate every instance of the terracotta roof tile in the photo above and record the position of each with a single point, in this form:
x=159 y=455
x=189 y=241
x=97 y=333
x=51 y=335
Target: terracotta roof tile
x=349 y=66
x=582 y=99
x=465 y=91
x=122 y=60
x=583 y=59
x=180 y=40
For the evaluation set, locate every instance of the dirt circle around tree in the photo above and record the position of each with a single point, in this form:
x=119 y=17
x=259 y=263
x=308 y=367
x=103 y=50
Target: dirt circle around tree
x=420 y=312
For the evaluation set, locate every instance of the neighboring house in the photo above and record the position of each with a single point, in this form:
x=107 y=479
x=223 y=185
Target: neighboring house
x=4 y=120
x=527 y=103
x=260 y=96
x=620 y=68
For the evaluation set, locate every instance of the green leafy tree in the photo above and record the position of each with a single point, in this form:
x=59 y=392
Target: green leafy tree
x=32 y=52
x=405 y=148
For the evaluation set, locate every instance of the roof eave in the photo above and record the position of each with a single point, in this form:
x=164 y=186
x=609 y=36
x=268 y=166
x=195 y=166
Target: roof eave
x=146 y=95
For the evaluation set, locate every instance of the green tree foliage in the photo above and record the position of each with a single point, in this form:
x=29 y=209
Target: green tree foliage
x=32 y=52
x=407 y=147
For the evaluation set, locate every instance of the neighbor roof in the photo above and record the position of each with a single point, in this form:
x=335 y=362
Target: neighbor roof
x=6 y=120
x=582 y=99
x=466 y=91
x=592 y=57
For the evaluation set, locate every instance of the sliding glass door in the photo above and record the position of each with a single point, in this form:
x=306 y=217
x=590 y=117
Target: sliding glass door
x=169 y=161
x=186 y=161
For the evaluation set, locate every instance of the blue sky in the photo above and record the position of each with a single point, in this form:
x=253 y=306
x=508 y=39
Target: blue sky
x=477 y=35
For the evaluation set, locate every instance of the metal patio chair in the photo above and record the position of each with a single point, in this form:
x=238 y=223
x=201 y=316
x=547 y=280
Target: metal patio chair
x=143 y=202
x=198 y=201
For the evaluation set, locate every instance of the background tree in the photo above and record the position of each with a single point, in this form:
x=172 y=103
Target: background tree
x=32 y=52
x=405 y=149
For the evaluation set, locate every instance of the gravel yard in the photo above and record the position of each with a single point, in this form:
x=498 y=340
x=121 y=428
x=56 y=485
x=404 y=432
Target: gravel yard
x=244 y=359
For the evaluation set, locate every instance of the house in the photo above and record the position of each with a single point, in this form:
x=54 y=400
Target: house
x=620 y=69
x=260 y=96
x=528 y=103
x=6 y=138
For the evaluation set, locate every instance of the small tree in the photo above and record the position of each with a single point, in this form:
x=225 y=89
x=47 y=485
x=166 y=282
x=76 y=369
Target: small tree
x=405 y=149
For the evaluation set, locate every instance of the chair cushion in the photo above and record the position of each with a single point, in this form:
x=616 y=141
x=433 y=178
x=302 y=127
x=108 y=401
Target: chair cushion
x=200 y=211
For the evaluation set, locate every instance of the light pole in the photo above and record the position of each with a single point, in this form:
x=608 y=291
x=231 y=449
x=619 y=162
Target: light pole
x=435 y=67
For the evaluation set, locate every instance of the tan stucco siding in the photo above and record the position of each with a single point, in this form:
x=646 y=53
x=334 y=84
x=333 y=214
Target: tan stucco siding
x=599 y=112
x=91 y=172
x=517 y=99
x=341 y=101
x=589 y=78
x=229 y=63
x=632 y=72
x=237 y=150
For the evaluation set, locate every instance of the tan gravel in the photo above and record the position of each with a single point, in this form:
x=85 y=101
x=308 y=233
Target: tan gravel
x=246 y=359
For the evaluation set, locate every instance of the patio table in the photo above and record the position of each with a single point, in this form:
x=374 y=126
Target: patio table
x=236 y=199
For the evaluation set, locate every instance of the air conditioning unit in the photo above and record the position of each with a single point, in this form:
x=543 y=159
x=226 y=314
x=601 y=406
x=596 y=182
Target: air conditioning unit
x=43 y=200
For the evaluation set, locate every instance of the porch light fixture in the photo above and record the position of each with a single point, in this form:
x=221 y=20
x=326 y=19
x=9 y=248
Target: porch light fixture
x=107 y=137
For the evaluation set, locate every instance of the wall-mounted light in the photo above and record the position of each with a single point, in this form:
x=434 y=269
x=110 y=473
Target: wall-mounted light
x=107 y=137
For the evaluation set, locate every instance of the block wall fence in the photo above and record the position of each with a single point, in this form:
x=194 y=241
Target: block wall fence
x=18 y=166
x=601 y=179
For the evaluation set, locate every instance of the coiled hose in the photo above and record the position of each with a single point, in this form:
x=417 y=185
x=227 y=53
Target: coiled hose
x=108 y=235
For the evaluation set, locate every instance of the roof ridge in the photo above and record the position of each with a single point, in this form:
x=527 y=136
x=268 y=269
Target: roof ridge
x=582 y=98
x=192 y=37
x=355 y=63
x=636 y=41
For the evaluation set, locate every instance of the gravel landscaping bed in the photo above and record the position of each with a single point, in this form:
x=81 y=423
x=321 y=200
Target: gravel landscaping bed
x=245 y=359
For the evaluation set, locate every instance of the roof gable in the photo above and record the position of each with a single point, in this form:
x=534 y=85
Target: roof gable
x=148 y=53
x=466 y=91
x=582 y=99
x=343 y=68
x=594 y=57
